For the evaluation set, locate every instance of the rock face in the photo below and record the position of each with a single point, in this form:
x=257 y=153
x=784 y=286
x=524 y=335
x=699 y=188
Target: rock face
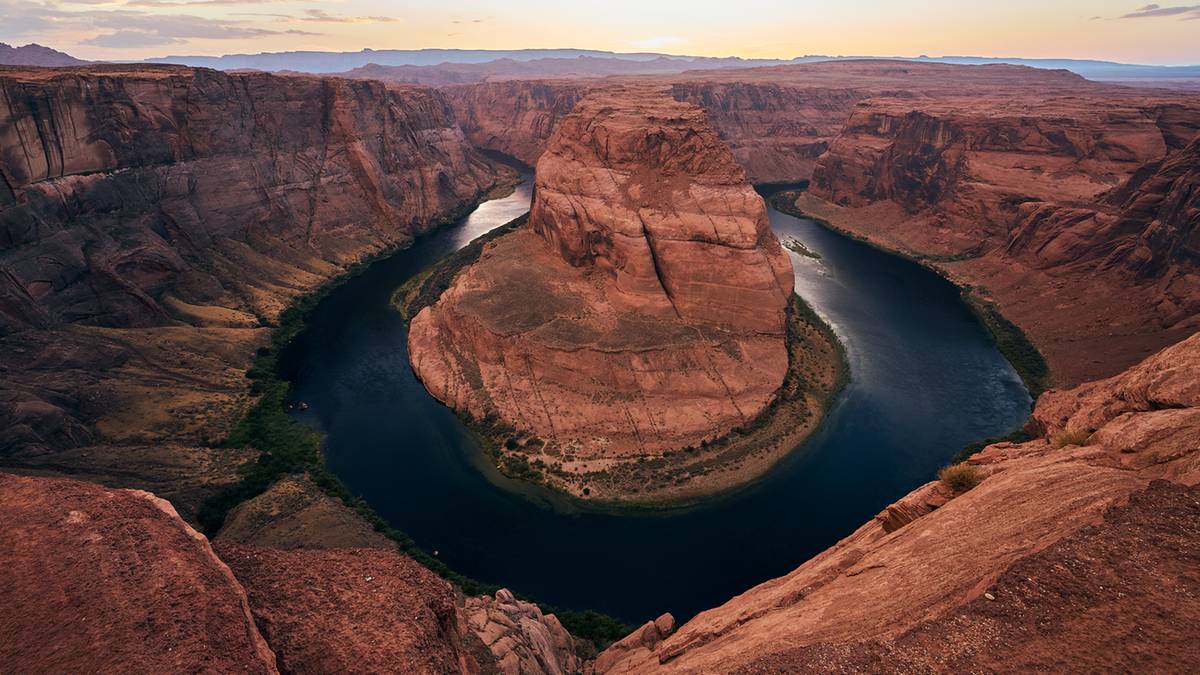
x=154 y=219
x=514 y=117
x=521 y=639
x=100 y=580
x=351 y=610
x=295 y=513
x=777 y=120
x=642 y=310
x=1044 y=534
x=1085 y=203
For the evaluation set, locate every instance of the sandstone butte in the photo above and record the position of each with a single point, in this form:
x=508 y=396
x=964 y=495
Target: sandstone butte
x=643 y=309
x=1006 y=178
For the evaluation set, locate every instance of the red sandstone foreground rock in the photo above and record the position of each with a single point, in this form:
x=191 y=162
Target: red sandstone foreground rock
x=98 y=580
x=154 y=220
x=1039 y=566
x=351 y=610
x=643 y=309
x=333 y=595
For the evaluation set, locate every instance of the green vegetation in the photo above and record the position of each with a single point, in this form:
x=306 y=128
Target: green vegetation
x=960 y=477
x=288 y=447
x=1012 y=342
x=425 y=287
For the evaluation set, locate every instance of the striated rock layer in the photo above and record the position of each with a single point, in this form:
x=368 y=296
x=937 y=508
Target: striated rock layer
x=514 y=117
x=1038 y=566
x=642 y=310
x=153 y=221
x=1080 y=218
x=100 y=580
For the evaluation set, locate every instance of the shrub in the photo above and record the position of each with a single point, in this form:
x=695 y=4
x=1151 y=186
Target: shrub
x=1072 y=437
x=960 y=477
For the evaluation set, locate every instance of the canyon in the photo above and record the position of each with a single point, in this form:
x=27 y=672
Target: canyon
x=657 y=318
x=157 y=222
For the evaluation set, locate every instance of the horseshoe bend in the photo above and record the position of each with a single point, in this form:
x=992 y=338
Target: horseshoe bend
x=580 y=362
x=637 y=336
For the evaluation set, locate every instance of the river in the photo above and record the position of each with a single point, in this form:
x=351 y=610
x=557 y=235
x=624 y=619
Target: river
x=925 y=381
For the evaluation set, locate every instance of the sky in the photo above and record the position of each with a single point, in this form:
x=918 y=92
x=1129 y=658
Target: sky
x=1117 y=30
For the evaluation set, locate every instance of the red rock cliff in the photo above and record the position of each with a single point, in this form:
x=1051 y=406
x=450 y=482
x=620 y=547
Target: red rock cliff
x=1048 y=201
x=515 y=117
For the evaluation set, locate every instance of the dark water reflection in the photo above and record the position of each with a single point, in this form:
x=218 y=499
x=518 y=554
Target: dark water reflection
x=925 y=382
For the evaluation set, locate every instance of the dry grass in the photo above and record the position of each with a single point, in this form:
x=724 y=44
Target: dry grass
x=1072 y=437
x=960 y=477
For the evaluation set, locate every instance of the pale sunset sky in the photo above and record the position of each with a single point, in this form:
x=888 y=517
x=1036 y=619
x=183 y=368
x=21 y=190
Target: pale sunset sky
x=1118 y=30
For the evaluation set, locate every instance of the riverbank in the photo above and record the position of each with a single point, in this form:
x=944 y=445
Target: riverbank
x=816 y=372
x=1008 y=337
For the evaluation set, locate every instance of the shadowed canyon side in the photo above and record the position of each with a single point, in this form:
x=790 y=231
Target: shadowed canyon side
x=1077 y=549
x=643 y=310
x=154 y=221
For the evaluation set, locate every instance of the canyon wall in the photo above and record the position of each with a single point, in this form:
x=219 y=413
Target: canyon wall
x=1075 y=550
x=515 y=117
x=777 y=120
x=642 y=310
x=1077 y=214
x=155 y=220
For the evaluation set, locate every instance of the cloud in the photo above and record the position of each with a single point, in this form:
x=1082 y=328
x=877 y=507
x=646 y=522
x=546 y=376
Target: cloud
x=126 y=28
x=1184 y=12
x=321 y=16
x=125 y=39
x=167 y=4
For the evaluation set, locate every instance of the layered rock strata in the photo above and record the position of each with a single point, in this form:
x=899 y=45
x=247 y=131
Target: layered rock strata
x=154 y=221
x=1079 y=219
x=643 y=310
x=1041 y=565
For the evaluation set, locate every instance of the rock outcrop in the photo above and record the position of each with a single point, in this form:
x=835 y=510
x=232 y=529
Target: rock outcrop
x=295 y=513
x=351 y=610
x=521 y=639
x=1039 y=565
x=643 y=310
x=100 y=580
x=154 y=221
